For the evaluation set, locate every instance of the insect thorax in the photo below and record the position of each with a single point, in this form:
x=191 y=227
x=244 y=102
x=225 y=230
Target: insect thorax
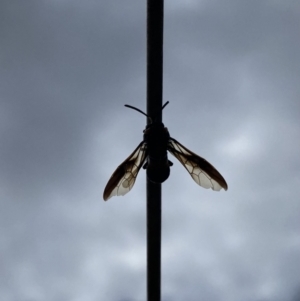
x=156 y=136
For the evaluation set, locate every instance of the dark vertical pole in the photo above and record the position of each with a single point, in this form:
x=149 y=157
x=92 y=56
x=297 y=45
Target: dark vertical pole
x=155 y=12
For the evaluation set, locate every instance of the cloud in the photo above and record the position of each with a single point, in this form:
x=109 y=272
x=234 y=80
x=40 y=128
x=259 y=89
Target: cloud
x=231 y=74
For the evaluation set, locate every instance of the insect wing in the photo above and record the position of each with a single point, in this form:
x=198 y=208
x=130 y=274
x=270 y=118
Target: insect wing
x=123 y=179
x=202 y=172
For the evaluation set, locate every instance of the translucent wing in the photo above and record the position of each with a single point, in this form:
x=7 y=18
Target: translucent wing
x=122 y=180
x=202 y=172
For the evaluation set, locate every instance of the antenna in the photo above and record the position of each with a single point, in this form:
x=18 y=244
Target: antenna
x=134 y=108
x=164 y=105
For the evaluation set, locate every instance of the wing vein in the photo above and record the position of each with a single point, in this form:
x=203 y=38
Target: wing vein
x=123 y=179
x=202 y=172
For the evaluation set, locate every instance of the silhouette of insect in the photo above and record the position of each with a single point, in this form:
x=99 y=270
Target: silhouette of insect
x=153 y=149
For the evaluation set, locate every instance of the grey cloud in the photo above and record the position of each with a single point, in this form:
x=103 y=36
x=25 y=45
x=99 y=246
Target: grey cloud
x=231 y=74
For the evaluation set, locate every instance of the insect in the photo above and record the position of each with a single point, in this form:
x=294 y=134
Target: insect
x=153 y=149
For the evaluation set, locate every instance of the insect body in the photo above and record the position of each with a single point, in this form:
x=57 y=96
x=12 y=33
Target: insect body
x=153 y=149
x=156 y=139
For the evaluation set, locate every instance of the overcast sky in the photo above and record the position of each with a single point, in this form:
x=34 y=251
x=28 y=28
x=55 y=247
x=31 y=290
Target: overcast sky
x=232 y=76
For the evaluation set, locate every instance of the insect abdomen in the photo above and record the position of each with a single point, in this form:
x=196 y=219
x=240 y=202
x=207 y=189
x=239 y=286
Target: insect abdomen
x=158 y=171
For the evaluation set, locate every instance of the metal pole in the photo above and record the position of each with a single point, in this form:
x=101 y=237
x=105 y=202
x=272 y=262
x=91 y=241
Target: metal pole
x=155 y=12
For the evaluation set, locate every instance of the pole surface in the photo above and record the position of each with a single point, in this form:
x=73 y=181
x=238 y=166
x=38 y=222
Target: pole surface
x=155 y=12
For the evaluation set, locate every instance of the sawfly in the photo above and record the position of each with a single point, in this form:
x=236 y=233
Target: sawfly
x=153 y=149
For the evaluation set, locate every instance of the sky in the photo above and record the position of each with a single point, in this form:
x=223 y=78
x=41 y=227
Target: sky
x=231 y=74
